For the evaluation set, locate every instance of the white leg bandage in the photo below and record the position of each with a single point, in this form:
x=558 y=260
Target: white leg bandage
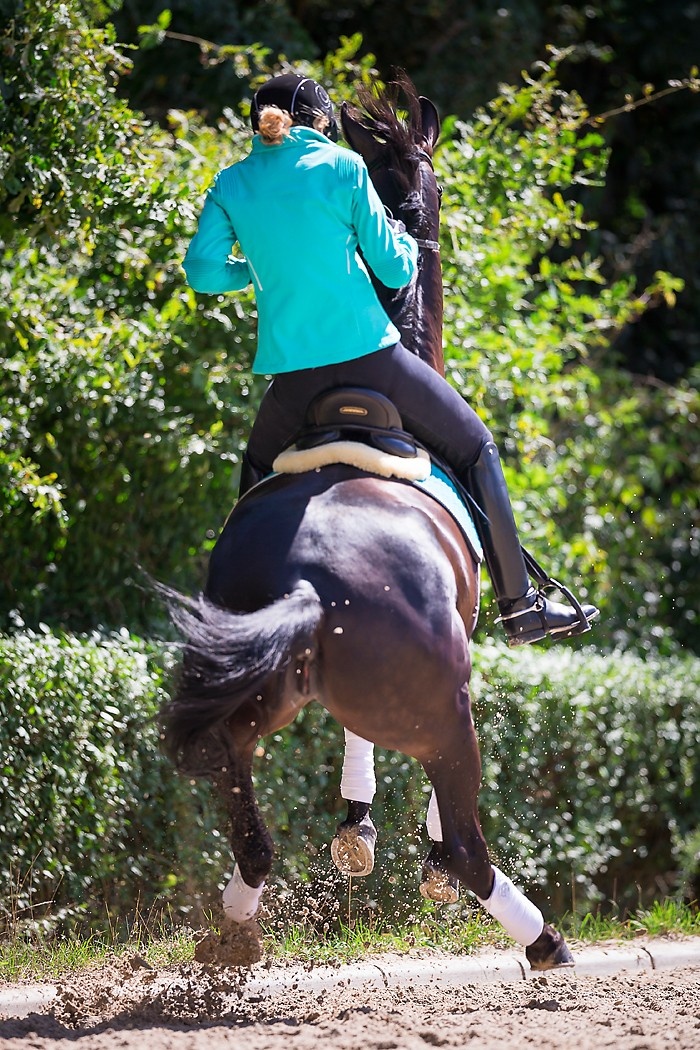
x=240 y=900
x=358 y=782
x=518 y=916
x=432 y=820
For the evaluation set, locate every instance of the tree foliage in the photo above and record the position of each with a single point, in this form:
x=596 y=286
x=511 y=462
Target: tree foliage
x=125 y=399
x=605 y=475
x=121 y=414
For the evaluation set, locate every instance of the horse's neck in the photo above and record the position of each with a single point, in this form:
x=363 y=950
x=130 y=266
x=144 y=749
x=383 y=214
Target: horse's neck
x=428 y=310
x=417 y=313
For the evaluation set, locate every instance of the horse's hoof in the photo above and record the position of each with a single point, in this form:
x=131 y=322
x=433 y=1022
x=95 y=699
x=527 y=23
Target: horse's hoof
x=352 y=849
x=237 y=944
x=549 y=951
x=438 y=885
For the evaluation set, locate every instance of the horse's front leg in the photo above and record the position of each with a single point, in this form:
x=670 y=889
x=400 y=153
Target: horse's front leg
x=456 y=775
x=436 y=882
x=352 y=848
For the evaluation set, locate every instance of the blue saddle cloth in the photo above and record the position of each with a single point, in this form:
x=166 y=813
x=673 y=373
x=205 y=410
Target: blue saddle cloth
x=441 y=487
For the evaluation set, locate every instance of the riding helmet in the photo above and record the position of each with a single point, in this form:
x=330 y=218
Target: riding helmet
x=303 y=99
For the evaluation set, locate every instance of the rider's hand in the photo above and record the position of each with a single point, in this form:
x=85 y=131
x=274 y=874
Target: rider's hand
x=396 y=224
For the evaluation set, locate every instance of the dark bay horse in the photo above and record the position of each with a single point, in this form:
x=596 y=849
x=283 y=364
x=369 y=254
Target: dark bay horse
x=354 y=591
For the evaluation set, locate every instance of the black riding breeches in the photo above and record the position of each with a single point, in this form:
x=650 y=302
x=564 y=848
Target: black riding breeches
x=430 y=408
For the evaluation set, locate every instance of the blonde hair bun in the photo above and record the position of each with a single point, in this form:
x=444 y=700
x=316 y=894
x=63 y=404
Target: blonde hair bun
x=274 y=125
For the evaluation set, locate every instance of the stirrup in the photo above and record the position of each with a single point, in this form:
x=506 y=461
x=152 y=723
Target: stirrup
x=533 y=617
x=526 y=621
x=545 y=582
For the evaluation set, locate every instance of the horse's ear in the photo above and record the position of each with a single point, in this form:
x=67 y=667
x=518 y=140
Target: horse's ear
x=430 y=122
x=357 y=136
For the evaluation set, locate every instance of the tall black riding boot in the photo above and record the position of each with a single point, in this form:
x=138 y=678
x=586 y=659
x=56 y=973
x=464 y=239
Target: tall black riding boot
x=526 y=614
x=250 y=475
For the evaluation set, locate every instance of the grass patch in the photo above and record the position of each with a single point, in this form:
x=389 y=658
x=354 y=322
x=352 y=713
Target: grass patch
x=39 y=956
x=34 y=954
x=463 y=934
x=435 y=931
x=662 y=918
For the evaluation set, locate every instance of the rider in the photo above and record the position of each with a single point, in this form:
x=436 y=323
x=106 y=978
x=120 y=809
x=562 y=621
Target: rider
x=299 y=207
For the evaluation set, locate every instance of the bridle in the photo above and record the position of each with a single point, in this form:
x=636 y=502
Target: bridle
x=433 y=246
x=420 y=154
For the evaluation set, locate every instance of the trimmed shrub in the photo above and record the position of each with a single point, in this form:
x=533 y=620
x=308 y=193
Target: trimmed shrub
x=591 y=768
x=90 y=814
x=591 y=784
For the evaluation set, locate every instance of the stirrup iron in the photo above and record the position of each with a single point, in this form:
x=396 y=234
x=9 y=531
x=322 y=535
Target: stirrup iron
x=545 y=582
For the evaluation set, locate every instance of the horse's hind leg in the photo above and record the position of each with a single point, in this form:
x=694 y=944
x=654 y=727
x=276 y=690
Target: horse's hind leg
x=456 y=775
x=239 y=943
x=463 y=854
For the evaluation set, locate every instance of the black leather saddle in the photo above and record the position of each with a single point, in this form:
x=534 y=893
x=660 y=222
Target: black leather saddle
x=353 y=413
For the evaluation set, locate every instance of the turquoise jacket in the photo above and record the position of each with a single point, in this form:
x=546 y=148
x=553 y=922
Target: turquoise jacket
x=299 y=211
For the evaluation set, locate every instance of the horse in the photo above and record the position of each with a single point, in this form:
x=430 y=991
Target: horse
x=351 y=590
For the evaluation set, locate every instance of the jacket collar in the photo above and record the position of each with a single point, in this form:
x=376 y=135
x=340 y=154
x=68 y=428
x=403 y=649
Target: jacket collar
x=298 y=136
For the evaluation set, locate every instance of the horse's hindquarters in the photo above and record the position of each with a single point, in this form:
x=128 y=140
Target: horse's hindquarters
x=395 y=581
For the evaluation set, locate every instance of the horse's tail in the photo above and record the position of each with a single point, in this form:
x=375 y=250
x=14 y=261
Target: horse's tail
x=228 y=659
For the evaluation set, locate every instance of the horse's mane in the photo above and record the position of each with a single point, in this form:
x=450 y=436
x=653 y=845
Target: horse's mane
x=379 y=112
x=394 y=119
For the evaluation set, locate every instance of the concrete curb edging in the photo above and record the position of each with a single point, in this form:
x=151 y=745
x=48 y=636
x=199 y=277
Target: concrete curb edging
x=388 y=973
x=22 y=1000
x=456 y=972
x=395 y=972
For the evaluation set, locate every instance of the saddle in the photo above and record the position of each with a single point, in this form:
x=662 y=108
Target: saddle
x=359 y=427
x=364 y=429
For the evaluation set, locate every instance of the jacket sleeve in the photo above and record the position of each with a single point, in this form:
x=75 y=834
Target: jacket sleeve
x=392 y=256
x=208 y=264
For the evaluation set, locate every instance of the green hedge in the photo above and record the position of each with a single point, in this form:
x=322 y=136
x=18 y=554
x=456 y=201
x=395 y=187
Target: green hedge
x=591 y=783
x=591 y=768
x=90 y=814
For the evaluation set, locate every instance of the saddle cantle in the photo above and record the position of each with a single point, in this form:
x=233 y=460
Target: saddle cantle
x=359 y=427
x=357 y=414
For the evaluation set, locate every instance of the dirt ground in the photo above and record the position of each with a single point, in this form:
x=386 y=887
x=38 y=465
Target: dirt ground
x=197 y=1006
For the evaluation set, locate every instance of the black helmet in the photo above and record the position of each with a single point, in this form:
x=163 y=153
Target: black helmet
x=303 y=99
